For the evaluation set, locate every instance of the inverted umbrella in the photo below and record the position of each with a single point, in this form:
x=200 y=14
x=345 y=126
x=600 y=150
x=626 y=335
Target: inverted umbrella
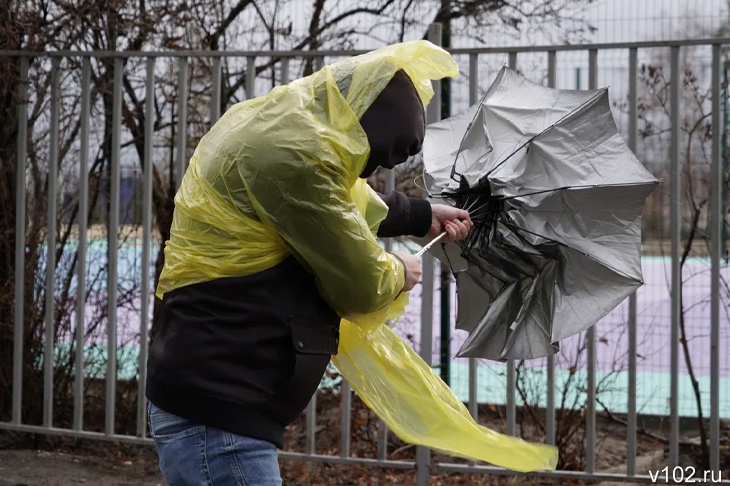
x=556 y=198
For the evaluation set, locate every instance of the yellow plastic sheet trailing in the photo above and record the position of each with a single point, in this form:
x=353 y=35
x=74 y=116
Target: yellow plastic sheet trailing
x=417 y=405
x=278 y=176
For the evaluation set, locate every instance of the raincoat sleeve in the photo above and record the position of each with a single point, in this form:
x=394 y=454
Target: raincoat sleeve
x=302 y=189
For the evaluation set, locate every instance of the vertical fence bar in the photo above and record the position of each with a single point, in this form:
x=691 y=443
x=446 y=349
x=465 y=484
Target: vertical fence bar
x=426 y=352
x=113 y=242
x=18 y=311
x=182 y=120
x=250 y=77
x=49 y=334
x=149 y=133
x=433 y=114
x=310 y=424
x=631 y=414
x=433 y=110
x=675 y=206
x=284 y=71
x=345 y=418
x=591 y=332
x=473 y=383
x=550 y=410
x=382 y=441
x=81 y=249
x=552 y=58
x=215 y=90
x=473 y=363
x=511 y=428
x=717 y=212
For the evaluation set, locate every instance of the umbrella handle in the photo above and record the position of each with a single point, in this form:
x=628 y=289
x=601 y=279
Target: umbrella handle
x=430 y=244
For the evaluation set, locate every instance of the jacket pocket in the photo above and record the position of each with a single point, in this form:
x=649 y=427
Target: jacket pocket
x=312 y=344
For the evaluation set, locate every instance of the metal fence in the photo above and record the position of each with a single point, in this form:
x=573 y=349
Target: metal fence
x=65 y=155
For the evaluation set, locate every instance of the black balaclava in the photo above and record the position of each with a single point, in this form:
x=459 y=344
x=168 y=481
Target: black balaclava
x=395 y=124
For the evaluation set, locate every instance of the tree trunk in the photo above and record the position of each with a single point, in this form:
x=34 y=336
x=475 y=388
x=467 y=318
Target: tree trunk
x=8 y=191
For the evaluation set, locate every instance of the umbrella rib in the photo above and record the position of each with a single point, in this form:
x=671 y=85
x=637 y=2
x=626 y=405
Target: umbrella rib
x=530 y=140
x=586 y=186
x=544 y=191
x=473 y=209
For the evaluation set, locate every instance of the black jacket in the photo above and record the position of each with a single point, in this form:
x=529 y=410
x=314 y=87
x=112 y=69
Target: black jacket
x=246 y=354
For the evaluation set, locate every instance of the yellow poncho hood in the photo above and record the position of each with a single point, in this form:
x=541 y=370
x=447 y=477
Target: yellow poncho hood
x=280 y=174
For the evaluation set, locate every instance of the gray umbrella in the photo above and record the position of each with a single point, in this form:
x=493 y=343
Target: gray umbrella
x=556 y=197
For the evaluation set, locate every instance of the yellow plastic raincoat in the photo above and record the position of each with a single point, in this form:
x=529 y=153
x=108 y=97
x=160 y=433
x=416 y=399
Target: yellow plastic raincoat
x=251 y=198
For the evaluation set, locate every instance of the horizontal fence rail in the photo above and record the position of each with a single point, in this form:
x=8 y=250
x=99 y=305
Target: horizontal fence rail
x=116 y=237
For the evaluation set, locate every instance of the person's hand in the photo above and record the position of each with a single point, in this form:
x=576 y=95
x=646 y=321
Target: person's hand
x=412 y=265
x=456 y=222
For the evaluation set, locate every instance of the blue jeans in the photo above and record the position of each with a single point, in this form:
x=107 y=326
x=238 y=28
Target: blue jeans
x=193 y=454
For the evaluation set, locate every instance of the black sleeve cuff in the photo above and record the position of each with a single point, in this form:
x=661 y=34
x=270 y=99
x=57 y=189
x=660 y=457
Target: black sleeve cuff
x=406 y=216
x=420 y=217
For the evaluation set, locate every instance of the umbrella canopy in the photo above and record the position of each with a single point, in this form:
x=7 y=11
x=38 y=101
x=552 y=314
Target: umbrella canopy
x=556 y=198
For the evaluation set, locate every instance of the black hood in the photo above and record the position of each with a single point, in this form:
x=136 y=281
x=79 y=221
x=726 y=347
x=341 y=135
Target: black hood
x=395 y=124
